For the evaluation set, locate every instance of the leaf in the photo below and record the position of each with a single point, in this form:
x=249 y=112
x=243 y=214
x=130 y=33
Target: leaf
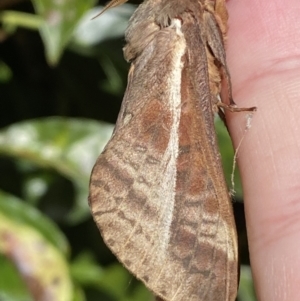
x=13 y=19
x=37 y=249
x=110 y=25
x=12 y=286
x=14 y=209
x=123 y=286
x=89 y=37
x=114 y=280
x=86 y=271
x=59 y=21
x=246 y=289
x=5 y=73
x=70 y=146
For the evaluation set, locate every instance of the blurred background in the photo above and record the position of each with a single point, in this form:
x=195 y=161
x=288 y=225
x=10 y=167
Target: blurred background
x=62 y=79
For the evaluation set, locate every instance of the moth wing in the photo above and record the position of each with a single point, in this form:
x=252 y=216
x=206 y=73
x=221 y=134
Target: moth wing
x=203 y=238
x=157 y=206
x=133 y=182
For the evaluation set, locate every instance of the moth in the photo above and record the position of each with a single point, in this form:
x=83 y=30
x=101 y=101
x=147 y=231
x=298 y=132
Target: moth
x=157 y=191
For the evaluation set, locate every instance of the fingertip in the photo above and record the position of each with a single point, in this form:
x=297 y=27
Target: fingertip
x=262 y=52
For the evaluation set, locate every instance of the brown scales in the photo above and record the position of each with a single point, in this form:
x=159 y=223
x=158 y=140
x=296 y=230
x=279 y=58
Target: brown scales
x=157 y=192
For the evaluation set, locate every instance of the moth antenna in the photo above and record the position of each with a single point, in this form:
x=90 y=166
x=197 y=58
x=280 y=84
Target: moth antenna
x=110 y=4
x=248 y=126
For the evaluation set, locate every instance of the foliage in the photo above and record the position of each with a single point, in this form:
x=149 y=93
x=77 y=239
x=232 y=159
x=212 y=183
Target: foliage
x=60 y=71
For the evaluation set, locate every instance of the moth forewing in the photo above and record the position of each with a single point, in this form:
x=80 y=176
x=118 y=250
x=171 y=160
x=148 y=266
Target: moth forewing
x=157 y=192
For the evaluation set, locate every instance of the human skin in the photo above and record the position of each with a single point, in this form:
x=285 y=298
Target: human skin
x=263 y=55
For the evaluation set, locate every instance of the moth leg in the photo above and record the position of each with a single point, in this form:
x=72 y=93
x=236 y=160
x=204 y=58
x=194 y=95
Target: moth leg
x=214 y=36
x=234 y=108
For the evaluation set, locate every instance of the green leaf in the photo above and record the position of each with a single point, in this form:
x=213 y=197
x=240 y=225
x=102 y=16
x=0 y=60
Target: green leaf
x=112 y=24
x=14 y=209
x=70 y=146
x=139 y=293
x=59 y=21
x=86 y=271
x=13 y=19
x=246 y=289
x=117 y=281
x=35 y=246
x=12 y=286
x=5 y=73
x=89 y=37
x=113 y=280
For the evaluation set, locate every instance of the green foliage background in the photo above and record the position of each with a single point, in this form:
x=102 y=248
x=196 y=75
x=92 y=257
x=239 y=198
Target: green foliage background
x=62 y=77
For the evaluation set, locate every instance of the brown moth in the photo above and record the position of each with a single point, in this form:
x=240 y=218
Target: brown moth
x=157 y=192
